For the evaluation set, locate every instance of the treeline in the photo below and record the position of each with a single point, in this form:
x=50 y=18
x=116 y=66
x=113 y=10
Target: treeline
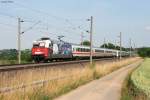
x=11 y=54
x=107 y=45
x=144 y=51
x=112 y=46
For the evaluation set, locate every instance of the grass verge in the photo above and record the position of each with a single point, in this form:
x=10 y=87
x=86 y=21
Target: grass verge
x=136 y=85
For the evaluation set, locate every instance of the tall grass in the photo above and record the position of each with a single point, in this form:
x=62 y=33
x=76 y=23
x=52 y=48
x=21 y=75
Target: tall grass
x=74 y=77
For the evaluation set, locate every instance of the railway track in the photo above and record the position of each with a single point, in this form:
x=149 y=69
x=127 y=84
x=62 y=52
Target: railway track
x=37 y=65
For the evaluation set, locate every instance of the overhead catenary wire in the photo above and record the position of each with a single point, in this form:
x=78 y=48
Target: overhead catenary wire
x=7 y=15
x=48 y=14
x=31 y=27
x=8 y=25
x=69 y=27
x=41 y=12
x=47 y=26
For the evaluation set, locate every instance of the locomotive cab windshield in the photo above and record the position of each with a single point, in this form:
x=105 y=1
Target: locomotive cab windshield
x=39 y=45
x=42 y=43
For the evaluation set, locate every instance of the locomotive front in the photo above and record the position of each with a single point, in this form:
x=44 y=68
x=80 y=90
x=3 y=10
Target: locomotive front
x=41 y=50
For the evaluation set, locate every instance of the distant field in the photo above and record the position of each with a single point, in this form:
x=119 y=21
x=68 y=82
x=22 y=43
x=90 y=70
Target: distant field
x=4 y=62
x=141 y=77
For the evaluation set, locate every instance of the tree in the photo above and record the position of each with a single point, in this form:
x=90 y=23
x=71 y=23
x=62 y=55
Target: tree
x=26 y=55
x=8 y=54
x=144 y=51
x=112 y=46
x=11 y=54
x=86 y=43
x=108 y=46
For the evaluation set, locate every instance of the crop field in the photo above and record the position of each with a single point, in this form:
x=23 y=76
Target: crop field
x=141 y=77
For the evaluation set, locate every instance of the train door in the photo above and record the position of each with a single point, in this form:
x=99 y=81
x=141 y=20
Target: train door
x=117 y=54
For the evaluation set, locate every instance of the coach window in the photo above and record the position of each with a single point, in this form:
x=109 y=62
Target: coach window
x=74 y=49
x=79 y=49
x=86 y=50
x=83 y=49
x=101 y=51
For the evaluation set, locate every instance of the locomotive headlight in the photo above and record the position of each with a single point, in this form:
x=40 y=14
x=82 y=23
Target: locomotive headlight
x=42 y=44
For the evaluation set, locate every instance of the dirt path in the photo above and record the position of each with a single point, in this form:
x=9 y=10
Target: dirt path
x=106 y=88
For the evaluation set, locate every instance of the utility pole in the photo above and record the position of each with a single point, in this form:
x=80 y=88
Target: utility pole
x=135 y=49
x=19 y=39
x=120 y=44
x=82 y=36
x=130 y=46
x=115 y=44
x=104 y=45
x=91 y=41
x=59 y=37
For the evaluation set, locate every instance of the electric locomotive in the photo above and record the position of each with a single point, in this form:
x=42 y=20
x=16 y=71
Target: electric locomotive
x=46 y=49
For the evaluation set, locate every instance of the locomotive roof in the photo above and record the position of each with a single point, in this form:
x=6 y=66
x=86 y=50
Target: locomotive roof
x=44 y=38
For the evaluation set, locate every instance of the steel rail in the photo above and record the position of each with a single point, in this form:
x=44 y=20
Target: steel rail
x=38 y=65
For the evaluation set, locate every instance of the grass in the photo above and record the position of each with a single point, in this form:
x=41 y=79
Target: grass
x=4 y=62
x=7 y=62
x=125 y=94
x=75 y=77
x=137 y=86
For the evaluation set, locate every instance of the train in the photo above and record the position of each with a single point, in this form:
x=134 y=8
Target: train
x=46 y=49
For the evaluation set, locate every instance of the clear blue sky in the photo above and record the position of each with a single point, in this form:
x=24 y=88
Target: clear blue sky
x=63 y=17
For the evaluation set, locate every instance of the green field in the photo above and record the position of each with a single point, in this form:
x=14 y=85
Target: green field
x=141 y=77
x=4 y=62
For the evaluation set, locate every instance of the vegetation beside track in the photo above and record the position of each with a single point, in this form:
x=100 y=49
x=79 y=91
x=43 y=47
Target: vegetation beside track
x=144 y=51
x=9 y=56
x=76 y=77
x=137 y=85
